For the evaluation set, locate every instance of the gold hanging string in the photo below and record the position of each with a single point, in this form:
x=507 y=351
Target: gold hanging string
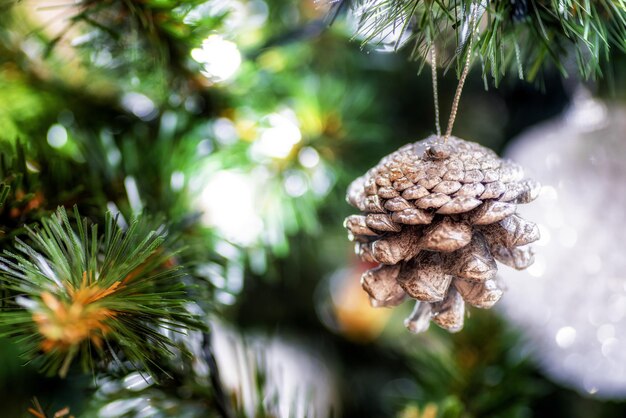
x=459 y=89
x=433 y=66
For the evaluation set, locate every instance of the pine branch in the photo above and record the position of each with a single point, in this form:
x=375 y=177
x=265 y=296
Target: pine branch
x=82 y=295
x=151 y=38
x=520 y=35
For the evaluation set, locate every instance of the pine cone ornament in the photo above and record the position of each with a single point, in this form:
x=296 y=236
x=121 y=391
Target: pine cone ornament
x=437 y=216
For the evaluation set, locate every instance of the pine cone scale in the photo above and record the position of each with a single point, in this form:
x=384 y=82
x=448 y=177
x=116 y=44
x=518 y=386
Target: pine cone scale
x=437 y=217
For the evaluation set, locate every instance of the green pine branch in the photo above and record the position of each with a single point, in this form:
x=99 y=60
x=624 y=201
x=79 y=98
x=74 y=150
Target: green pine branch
x=151 y=35
x=520 y=35
x=77 y=294
x=21 y=196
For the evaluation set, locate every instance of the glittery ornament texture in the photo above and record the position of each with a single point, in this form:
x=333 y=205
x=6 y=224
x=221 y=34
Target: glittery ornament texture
x=436 y=216
x=570 y=305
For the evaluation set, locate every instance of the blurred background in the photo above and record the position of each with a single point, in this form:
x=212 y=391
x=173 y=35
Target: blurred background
x=242 y=124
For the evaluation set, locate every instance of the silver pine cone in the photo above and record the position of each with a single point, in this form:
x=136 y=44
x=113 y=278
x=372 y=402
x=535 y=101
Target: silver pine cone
x=436 y=216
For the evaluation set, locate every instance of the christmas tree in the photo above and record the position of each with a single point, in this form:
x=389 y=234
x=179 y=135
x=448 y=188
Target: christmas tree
x=173 y=179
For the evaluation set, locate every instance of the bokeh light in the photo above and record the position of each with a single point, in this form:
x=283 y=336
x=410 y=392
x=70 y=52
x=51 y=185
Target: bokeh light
x=219 y=57
x=571 y=303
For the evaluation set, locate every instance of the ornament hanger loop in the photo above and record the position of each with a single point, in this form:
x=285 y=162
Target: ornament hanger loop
x=473 y=24
x=433 y=63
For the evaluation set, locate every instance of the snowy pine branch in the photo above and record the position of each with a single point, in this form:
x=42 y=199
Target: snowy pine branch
x=512 y=34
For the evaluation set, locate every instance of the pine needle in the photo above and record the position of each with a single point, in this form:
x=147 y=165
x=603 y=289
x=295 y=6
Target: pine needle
x=79 y=293
x=524 y=33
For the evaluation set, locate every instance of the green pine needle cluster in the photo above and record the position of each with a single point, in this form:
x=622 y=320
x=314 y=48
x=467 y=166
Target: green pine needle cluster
x=74 y=293
x=520 y=35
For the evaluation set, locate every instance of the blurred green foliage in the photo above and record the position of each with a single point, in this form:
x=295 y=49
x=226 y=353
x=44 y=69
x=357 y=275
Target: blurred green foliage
x=105 y=108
